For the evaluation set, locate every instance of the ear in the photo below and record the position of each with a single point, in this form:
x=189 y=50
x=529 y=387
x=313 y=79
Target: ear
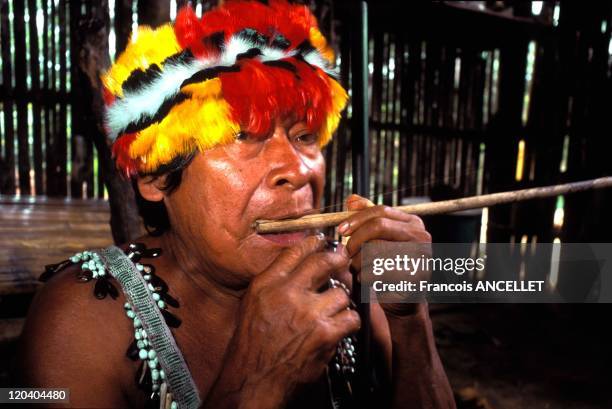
x=151 y=188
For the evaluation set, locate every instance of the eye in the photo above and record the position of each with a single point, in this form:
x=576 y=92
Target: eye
x=306 y=138
x=242 y=136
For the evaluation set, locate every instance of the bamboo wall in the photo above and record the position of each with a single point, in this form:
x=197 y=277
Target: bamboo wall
x=45 y=146
x=45 y=149
x=478 y=97
x=463 y=101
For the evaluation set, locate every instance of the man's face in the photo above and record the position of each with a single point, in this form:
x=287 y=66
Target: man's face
x=224 y=190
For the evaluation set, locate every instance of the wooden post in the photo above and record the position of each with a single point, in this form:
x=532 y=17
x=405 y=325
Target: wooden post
x=36 y=99
x=7 y=185
x=153 y=13
x=93 y=61
x=61 y=151
x=361 y=177
x=343 y=137
x=50 y=114
x=20 y=95
x=123 y=23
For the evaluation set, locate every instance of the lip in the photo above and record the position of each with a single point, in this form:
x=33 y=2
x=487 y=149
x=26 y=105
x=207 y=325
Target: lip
x=285 y=239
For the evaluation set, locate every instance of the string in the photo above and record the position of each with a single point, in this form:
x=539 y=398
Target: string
x=372 y=197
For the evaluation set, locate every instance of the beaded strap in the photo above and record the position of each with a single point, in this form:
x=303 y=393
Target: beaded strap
x=139 y=296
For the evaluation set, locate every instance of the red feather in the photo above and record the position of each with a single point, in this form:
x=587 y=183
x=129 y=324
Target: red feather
x=259 y=93
x=188 y=30
x=121 y=153
x=108 y=96
x=278 y=17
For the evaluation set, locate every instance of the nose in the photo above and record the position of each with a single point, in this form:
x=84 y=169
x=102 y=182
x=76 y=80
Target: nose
x=288 y=167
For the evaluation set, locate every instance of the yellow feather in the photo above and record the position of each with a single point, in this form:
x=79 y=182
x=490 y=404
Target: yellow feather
x=193 y=124
x=208 y=89
x=319 y=42
x=339 y=100
x=152 y=46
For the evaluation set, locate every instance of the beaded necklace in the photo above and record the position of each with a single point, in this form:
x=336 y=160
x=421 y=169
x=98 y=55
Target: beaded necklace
x=150 y=376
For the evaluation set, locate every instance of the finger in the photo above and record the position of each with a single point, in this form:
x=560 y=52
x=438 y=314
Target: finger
x=356 y=202
x=332 y=301
x=291 y=258
x=349 y=226
x=346 y=322
x=386 y=229
x=356 y=261
x=344 y=276
x=317 y=268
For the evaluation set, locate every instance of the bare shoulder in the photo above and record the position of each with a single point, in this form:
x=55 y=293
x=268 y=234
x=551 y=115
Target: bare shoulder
x=74 y=340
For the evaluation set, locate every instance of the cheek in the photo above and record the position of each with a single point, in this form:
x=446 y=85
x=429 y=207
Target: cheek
x=208 y=209
x=195 y=212
x=214 y=192
x=317 y=164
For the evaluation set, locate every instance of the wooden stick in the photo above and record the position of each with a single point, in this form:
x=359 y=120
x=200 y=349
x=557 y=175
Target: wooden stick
x=314 y=221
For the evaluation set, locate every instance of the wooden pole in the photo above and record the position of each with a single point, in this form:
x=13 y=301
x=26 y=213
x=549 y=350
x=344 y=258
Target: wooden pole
x=361 y=180
x=314 y=221
x=92 y=49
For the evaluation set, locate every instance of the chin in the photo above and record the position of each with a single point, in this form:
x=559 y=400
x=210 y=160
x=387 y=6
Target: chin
x=259 y=251
x=260 y=258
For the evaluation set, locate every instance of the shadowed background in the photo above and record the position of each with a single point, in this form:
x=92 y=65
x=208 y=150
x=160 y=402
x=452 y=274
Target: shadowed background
x=465 y=98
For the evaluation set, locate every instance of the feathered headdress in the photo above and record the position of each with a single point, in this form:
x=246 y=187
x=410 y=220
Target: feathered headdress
x=198 y=83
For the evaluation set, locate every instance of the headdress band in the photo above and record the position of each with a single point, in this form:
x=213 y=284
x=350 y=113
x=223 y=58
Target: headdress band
x=196 y=84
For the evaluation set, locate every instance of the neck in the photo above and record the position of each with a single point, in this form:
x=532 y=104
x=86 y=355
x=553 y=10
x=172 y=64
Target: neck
x=192 y=279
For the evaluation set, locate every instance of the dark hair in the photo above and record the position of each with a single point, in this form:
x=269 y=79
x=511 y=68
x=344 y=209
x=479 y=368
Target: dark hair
x=154 y=214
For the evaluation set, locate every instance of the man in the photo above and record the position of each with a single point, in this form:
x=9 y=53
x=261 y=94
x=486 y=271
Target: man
x=220 y=122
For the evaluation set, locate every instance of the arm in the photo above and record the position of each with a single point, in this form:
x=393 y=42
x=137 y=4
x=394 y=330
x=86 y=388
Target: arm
x=418 y=377
x=64 y=345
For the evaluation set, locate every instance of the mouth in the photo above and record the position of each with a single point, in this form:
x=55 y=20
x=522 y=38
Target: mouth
x=285 y=239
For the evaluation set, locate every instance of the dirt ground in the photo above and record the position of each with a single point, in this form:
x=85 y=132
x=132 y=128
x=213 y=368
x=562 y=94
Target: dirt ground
x=527 y=356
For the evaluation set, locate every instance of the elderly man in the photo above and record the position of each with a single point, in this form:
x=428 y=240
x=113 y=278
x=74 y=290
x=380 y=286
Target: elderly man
x=220 y=122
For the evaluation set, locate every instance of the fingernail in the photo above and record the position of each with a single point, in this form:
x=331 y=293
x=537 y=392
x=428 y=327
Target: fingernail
x=343 y=228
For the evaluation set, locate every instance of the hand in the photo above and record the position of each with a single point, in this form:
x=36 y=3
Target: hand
x=287 y=330
x=383 y=223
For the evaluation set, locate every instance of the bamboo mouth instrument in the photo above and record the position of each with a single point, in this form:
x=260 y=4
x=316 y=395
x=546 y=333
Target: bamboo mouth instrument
x=315 y=221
